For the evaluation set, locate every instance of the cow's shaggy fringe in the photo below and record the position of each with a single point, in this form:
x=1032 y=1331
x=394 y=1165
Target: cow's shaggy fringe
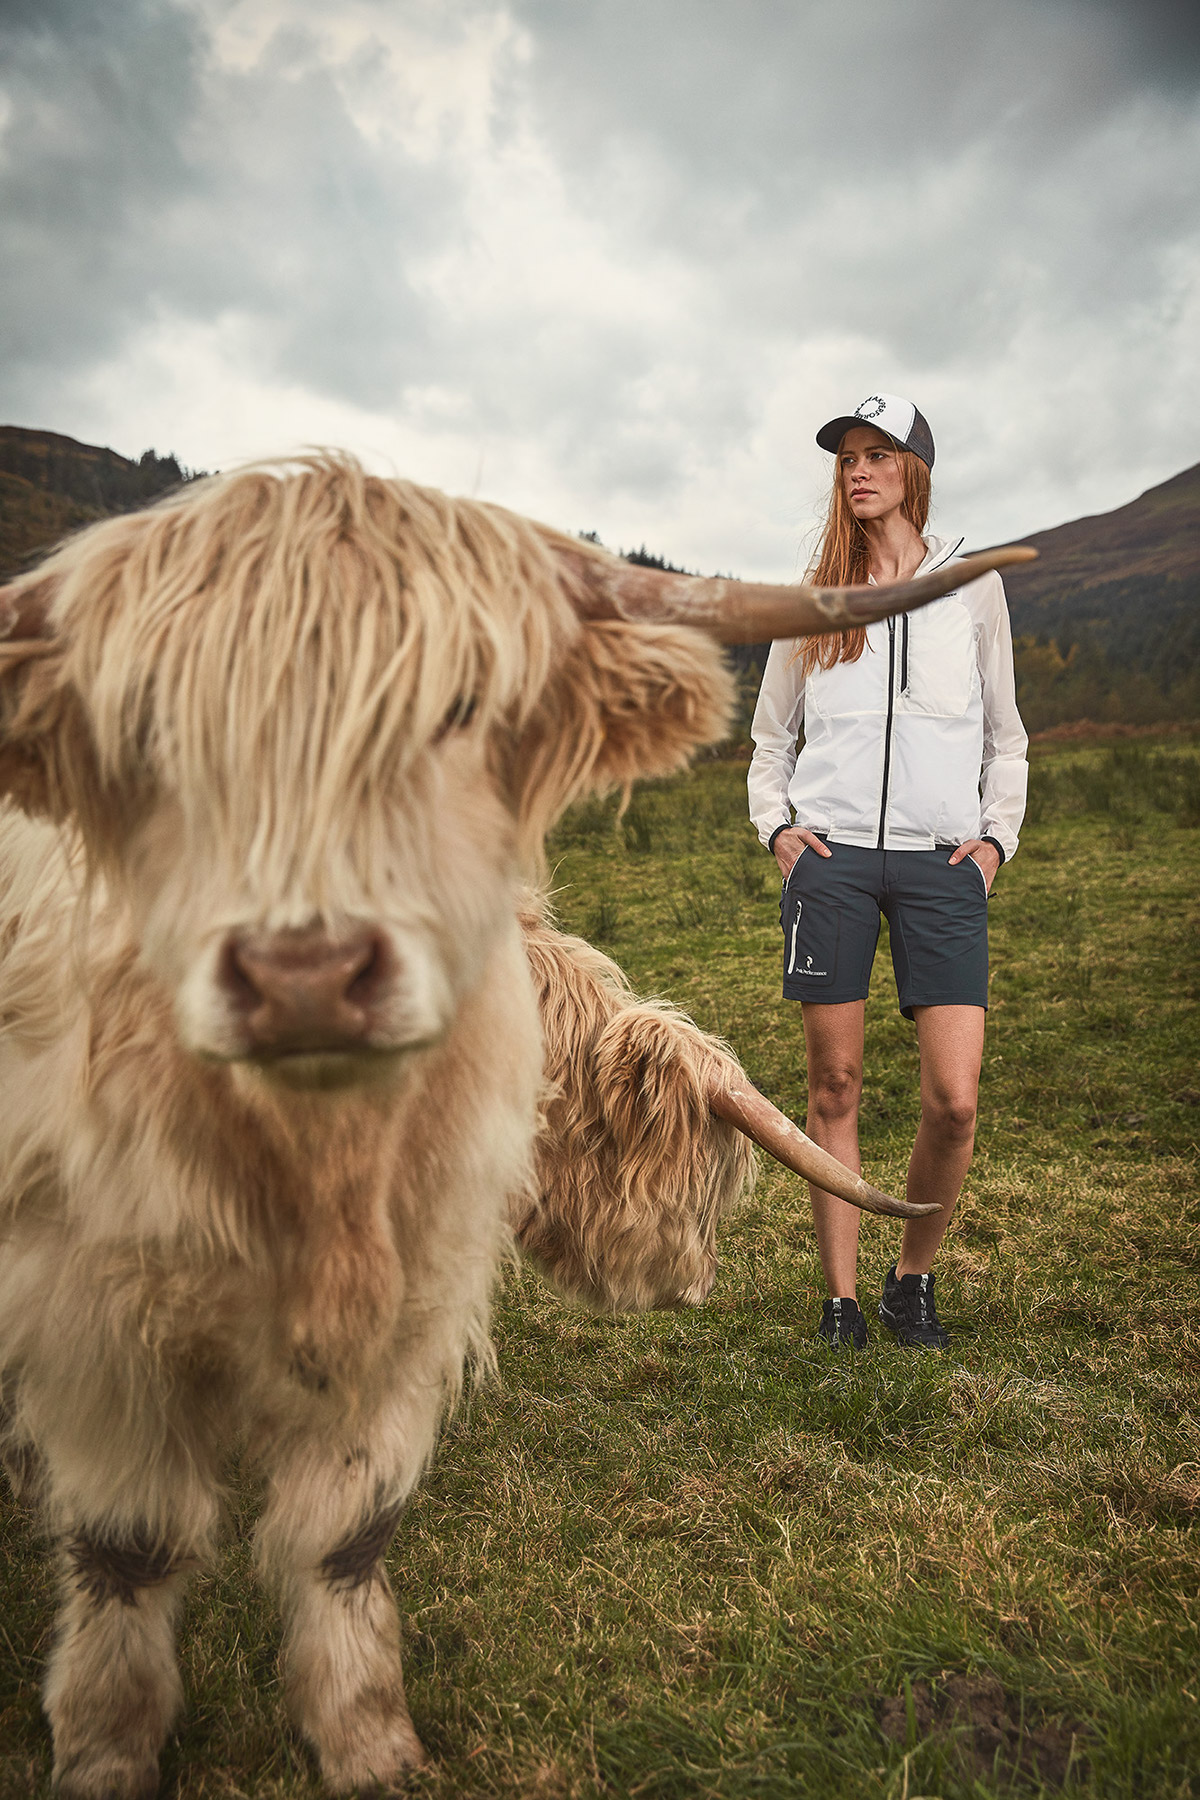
x=285 y=643
x=633 y=1170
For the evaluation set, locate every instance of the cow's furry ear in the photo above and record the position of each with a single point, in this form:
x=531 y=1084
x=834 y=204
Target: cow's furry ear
x=40 y=720
x=627 y=700
x=37 y=718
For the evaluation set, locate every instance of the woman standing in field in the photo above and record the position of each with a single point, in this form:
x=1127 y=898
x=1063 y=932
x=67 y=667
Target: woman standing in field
x=905 y=799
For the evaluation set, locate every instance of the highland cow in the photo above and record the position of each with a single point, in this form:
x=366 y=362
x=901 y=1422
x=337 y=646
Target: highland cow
x=278 y=753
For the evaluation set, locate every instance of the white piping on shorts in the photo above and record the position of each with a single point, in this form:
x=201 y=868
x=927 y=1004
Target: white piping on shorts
x=795 y=929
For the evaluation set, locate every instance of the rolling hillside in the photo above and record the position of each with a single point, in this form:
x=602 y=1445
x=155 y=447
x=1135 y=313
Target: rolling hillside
x=1156 y=534
x=51 y=485
x=1107 y=621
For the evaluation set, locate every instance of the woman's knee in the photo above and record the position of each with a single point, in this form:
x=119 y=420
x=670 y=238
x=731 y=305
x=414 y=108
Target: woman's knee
x=835 y=1092
x=952 y=1116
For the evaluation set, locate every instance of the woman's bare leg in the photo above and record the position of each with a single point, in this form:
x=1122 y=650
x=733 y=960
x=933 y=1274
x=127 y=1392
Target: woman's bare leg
x=951 y=1041
x=833 y=1039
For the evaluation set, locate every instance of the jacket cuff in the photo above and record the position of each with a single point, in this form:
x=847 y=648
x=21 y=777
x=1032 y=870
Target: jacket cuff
x=787 y=826
x=997 y=846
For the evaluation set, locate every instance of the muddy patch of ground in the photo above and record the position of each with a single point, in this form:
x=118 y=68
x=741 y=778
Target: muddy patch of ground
x=974 y=1715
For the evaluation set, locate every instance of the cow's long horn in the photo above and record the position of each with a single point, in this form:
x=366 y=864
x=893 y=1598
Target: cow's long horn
x=742 y=1105
x=755 y=612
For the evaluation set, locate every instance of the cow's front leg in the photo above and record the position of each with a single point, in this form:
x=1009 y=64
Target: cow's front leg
x=113 y=1688
x=321 y=1546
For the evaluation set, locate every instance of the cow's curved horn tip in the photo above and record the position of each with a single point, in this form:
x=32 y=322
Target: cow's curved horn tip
x=889 y=1205
x=1007 y=555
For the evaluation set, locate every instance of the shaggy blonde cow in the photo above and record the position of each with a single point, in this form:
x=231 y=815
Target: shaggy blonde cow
x=271 y=1059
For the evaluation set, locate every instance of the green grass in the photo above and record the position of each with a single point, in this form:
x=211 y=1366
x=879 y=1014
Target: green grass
x=692 y=1554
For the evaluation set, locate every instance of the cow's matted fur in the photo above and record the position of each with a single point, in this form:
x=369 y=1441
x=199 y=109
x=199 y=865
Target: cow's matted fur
x=289 y=705
x=633 y=1170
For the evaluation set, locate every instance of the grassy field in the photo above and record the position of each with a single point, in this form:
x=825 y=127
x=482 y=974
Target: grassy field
x=696 y=1555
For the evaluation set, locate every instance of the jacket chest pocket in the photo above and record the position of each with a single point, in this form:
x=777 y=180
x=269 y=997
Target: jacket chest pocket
x=942 y=673
x=851 y=689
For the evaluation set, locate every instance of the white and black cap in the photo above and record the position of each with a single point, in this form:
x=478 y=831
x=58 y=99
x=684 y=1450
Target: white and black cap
x=898 y=418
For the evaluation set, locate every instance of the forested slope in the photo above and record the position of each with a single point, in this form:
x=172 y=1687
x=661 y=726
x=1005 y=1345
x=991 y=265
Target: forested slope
x=51 y=485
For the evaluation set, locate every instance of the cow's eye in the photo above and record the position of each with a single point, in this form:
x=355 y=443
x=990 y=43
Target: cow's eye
x=458 y=717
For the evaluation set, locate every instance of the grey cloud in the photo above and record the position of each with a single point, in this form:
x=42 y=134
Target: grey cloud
x=1160 y=39
x=757 y=90
x=746 y=124
x=140 y=178
x=310 y=230
x=604 y=402
x=90 y=156
x=933 y=176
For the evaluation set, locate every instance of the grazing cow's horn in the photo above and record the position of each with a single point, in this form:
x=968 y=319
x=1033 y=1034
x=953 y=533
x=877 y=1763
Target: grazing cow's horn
x=754 y=612
x=742 y=1105
x=25 y=615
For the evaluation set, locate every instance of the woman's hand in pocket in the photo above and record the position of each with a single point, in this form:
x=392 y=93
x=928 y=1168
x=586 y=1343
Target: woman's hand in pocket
x=981 y=852
x=791 y=844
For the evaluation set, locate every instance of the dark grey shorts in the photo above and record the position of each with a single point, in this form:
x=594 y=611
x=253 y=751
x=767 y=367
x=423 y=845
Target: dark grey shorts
x=937 y=918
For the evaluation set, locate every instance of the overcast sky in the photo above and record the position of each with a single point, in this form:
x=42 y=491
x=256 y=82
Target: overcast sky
x=612 y=262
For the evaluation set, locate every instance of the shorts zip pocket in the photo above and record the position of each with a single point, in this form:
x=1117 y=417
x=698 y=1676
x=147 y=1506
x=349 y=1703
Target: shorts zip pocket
x=969 y=858
x=787 y=878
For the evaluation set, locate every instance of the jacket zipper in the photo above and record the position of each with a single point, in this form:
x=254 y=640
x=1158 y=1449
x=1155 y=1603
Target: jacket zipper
x=904 y=653
x=887 y=730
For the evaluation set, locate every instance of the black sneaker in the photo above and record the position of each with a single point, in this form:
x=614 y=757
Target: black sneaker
x=842 y=1325
x=907 y=1308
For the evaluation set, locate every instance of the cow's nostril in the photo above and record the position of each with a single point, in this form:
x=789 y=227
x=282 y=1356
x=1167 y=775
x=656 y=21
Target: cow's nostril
x=363 y=986
x=233 y=976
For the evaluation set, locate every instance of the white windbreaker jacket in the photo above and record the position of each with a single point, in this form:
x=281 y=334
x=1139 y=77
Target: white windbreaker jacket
x=916 y=744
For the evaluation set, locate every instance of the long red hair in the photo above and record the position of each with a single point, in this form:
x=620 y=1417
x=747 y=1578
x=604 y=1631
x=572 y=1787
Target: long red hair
x=844 y=560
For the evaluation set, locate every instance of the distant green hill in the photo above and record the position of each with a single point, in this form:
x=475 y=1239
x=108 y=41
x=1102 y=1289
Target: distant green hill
x=51 y=485
x=1107 y=621
x=1158 y=534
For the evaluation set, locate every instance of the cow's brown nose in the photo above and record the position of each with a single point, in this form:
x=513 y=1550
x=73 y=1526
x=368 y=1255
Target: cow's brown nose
x=301 y=990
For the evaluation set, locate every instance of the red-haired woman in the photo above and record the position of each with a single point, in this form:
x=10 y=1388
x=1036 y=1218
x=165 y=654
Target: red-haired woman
x=904 y=800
